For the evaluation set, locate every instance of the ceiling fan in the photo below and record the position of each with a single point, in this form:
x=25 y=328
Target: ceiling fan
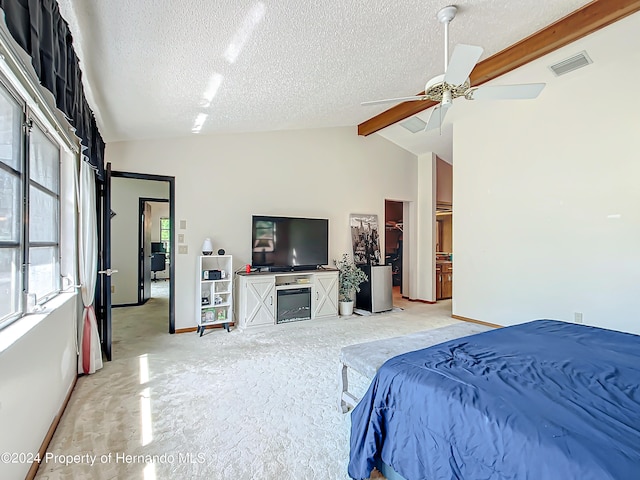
x=455 y=82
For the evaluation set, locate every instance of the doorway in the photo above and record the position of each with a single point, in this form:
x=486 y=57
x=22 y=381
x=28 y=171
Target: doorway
x=154 y=247
x=444 y=230
x=393 y=240
x=136 y=233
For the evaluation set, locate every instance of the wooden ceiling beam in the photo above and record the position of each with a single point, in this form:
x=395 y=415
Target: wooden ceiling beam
x=576 y=25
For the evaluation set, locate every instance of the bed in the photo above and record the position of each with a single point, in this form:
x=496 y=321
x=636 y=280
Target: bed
x=541 y=400
x=366 y=358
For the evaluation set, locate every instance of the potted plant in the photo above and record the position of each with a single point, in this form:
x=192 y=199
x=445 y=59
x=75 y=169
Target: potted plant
x=350 y=278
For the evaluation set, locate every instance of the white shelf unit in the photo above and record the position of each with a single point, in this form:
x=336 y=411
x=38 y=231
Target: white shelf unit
x=214 y=291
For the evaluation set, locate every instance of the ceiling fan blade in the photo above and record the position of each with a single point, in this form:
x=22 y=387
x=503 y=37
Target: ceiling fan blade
x=506 y=92
x=395 y=100
x=437 y=117
x=462 y=61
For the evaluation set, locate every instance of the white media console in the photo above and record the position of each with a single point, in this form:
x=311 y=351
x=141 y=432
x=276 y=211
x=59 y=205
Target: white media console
x=269 y=298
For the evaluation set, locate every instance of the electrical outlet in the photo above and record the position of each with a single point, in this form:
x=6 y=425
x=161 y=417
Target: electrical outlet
x=577 y=317
x=113 y=289
x=181 y=238
x=183 y=249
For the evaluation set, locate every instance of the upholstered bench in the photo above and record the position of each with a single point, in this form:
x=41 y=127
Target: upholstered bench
x=366 y=358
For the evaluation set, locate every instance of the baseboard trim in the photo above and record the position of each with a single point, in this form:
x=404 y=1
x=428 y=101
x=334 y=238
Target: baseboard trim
x=31 y=474
x=472 y=320
x=195 y=329
x=122 y=305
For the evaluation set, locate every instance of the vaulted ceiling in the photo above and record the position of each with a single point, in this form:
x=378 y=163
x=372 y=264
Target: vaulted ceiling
x=169 y=68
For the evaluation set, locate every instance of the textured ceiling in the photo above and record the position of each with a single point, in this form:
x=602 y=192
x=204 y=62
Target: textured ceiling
x=169 y=68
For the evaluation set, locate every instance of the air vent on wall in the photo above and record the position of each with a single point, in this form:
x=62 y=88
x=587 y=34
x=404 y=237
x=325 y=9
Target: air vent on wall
x=570 y=64
x=414 y=124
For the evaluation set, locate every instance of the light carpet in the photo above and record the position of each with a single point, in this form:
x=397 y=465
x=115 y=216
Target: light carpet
x=258 y=404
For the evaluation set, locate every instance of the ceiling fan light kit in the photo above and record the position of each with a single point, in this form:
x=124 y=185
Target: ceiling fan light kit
x=455 y=82
x=436 y=88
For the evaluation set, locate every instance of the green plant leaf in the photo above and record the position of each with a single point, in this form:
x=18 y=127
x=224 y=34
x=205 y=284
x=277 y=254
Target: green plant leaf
x=350 y=277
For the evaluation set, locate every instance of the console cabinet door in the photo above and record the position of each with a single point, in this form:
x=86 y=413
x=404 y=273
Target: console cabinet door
x=325 y=296
x=260 y=302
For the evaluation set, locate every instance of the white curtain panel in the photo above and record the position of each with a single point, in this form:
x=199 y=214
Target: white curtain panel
x=90 y=358
x=69 y=201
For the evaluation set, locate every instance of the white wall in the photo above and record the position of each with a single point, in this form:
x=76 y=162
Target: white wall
x=222 y=180
x=125 y=195
x=423 y=272
x=37 y=369
x=38 y=353
x=547 y=195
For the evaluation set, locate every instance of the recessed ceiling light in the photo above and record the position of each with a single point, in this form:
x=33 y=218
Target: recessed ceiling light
x=414 y=124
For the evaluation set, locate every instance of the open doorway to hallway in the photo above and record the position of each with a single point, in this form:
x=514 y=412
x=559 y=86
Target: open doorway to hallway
x=142 y=244
x=154 y=247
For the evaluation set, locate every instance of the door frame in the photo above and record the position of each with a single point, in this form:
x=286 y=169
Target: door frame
x=141 y=202
x=172 y=216
x=409 y=274
x=102 y=295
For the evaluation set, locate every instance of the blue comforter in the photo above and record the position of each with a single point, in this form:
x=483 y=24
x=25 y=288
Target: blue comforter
x=543 y=400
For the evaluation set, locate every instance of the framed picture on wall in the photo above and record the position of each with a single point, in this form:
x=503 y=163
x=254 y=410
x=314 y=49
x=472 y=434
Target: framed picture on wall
x=365 y=238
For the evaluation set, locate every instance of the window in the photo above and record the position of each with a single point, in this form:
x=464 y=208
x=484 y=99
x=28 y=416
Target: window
x=29 y=238
x=11 y=167
x=44 y=215
x=165 y=233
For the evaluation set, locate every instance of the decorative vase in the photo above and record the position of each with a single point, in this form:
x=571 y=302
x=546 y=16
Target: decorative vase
x=346 y=308
x=207 y=247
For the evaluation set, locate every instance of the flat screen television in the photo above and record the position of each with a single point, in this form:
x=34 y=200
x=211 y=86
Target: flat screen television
x=285 y=243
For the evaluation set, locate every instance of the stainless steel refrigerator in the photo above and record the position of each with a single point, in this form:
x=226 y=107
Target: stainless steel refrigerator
x=376 y=294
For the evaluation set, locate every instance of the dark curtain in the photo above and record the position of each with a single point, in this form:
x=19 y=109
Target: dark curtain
x=40 y=30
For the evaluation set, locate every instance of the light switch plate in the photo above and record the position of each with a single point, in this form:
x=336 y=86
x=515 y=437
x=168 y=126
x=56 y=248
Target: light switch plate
x=181 y=238
x=183 y=249
x=183 y=224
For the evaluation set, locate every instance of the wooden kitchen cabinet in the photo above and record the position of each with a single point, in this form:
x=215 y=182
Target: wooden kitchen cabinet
x=444 y=280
